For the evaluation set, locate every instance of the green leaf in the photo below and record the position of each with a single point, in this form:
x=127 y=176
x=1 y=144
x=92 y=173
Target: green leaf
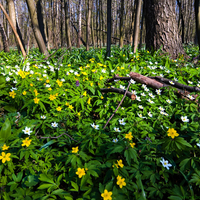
x=75 y=186
x=2 y=82
x=47 y=144
x=45 y=178
x=5 y=130
x=59 y=192
x=10 y=108
x=44 y=186
x=175 y=198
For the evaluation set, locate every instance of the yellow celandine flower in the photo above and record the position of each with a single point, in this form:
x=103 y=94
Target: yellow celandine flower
x=47 y=81
x=80 y=172
x=58 y=108
x=86 y=79
x=81 y=68
x=106 y=195
x=71 y=107
x=52 y=97
x=5 y=157
x=91 y=84
x=79 y=114
x=31 y=84
x=101 y=77
x=36 y=100
x=89 y=101
x=22 y=74
x=84 y=73
x=115 y=164
x=93 y=70
x=102 y=97
x=122 y=67
x=69 y=65
x=105 y=66
x=172 y=133
x=26 y=142
x=4 y=147
x=12 y=94
x=119 y=162
x=129 y=136
x=24 y=92
x=121 y=181
x=132 y=144
x=85 y=93
x=74 y=149
x=59 y=83
x=67 y=104
x=124 y=55
x=57 y=94
x=49 y=89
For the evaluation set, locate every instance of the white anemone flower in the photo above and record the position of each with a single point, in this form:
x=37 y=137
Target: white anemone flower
x=138 y=98
x=168 y=101
x=140 y=107
x=184 y=119
x=161 y=108
x=122 y=87
x=115 y=140
x=158 y=91
x=103 y=71
x=150 y=101
x=190 y=82
x=54 y=124
x=140 y=115
x=190 y=97
x=132 y=81
x=117 y=129
x=146 y=89
x=150 y=115
x=171 y=82
x=27 y=131
x=151 y=95
x=95 y=126
x=43 y=117
x=165 y=163
x=198 y=144
x=121 y=121
x=143 y=94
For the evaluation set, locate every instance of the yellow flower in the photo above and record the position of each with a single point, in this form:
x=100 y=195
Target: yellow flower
x=67 y=104
x=12 y=94
x=4 y=147
x=47 y=81
x=36 y=100
x=80 y=172
x=26 y=142
x=106 y=195
x=129 y=136
x=59 y=83
x=101 y=77
x=22 y=73
x=31 y=84
x=89 y=101
x=124 y=55
x=71 y=107
x=84 y=73
x=85 y=93
x=24 y=92
x=102 y=97
x=132 y=144
x=58 y=108
x=69 y=65
x=121 y=181
x=91 y=84
x=172 y=133
x=93 y=70
x=119 y=162
x=49 y=89
x=79 y=114
x=52 y=97
x=57 y=94
x=5 y=157
x=122 y=67
x=115 y=165
x=74 y=149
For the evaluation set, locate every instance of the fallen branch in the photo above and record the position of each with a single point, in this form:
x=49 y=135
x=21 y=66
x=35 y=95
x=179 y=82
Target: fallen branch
x=117 y=106
x=117 y=78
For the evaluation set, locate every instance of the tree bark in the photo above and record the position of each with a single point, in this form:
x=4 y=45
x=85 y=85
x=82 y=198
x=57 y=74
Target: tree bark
x=162 y=28
x=4 y=38
x=137 y=25
x=35 y=25
x=88 y=25
x=67 y=27
x=121 y=28
x=109 y=2
x=197 y=17
x=79 y=25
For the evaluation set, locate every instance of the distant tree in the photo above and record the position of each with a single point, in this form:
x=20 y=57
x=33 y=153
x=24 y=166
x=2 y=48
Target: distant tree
x=88 y=24
x=4 y=38
x=109 y=2
x=162 y=27
x=79 y=24
x=197 y=16
x=67 y=19
x=121 y=28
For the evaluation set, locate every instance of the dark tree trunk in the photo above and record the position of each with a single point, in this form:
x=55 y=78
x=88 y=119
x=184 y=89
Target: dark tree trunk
x=4 y=39
x=197 y=16
x=162 y=27
x=109 y=2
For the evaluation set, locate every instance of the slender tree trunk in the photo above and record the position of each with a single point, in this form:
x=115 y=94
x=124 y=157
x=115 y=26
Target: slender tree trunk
x=61 y=24
x=79 y=24
x=137 y=25
x=88 y=25
x=97 y=24
x=4 y=38
x=67 y=19
x=121 y=28
x=197 y=16
x=35 y=25
x=92 y=27
x=109 y=12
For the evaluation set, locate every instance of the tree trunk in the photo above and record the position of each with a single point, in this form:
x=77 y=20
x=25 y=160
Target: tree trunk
x=197 y=16
x=79 y=25
x=92 y=27
x=35 y=25
x=109 y=2
x=121 y=28
x=67 y=19
x=4 y=38
x=61 y=24
x=162 y=28
x=88 y=25
x=137 y=25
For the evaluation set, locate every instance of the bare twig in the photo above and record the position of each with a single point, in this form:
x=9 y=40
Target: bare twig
x=58 y=137
x=117 y=106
